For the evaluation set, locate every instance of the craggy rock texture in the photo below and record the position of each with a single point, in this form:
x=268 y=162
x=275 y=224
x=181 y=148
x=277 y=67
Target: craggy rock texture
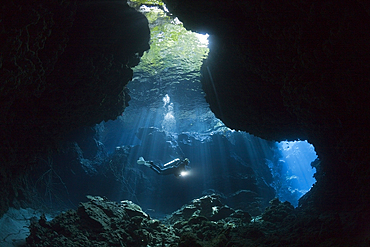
x=295 y=69
x=204 y=222
x=63 y=65
x=100 y=222
x=277 y=69
x=209 y=207
x=30 y=47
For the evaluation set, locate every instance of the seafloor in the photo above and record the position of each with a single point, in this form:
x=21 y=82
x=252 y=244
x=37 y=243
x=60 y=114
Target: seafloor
x=203 y=222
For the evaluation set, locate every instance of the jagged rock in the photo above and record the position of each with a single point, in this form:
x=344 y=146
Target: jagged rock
x=282 y=69
x=133 y=210
x=64 y=65
x=100 y=222
x=242 y=215
x=209 y=206
x=294 y=70
x=277 y=211
x=246 y=200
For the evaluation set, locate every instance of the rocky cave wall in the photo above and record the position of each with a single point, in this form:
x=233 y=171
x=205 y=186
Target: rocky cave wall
x=293 y=70
x=63 y=65
x=279 y=70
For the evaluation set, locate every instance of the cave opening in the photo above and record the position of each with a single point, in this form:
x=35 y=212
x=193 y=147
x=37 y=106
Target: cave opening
x=168 y=117
x=294 y=172
x=277 y=70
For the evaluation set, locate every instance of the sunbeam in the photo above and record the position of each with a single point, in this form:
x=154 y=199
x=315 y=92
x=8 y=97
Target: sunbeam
x=293 y=174
x=169 y=118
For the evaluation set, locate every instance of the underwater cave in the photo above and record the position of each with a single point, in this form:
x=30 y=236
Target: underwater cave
x=265 y=101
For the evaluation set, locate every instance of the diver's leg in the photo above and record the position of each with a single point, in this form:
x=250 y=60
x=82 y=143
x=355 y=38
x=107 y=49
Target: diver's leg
x=167 y=170
x=156 y=168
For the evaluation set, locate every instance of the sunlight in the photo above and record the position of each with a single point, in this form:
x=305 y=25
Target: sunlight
x=203 y=38
x=169 y=118
x=172 y=46
x=295 y=172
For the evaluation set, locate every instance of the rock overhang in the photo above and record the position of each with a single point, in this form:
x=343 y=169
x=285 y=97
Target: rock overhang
x=292 y=70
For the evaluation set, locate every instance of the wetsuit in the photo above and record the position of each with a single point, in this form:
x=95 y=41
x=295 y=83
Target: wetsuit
x=174 y=167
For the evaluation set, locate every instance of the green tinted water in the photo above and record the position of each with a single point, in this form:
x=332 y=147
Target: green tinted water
x=172 y=47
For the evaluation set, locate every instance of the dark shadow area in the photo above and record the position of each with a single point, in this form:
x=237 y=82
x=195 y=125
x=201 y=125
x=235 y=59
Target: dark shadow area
x=76 y=115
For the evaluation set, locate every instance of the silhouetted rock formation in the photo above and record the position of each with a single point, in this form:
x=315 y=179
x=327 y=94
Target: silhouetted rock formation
x=295 y=70
x=276 y=69
x=64 y=65
x=203 y=222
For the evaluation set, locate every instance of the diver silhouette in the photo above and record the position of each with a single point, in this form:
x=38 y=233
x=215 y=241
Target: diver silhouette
x=176 y=167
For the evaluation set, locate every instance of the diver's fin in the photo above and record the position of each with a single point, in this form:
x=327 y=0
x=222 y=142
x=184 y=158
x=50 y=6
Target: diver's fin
x=141 y=161
x=147 y=164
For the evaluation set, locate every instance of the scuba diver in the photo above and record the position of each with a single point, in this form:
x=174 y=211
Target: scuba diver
x=176 y=167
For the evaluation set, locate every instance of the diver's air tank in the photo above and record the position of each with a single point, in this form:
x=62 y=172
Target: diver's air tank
x=172 y=162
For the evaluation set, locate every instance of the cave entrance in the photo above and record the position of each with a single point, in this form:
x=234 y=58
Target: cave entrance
x=169 y=118
x=292 y=171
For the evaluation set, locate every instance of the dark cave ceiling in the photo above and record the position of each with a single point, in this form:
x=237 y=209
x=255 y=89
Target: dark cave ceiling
x=276 y=69
x=287 y=70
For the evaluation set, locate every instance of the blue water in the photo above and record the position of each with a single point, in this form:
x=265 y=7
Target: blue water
x=169 y=118
x=292 y=171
